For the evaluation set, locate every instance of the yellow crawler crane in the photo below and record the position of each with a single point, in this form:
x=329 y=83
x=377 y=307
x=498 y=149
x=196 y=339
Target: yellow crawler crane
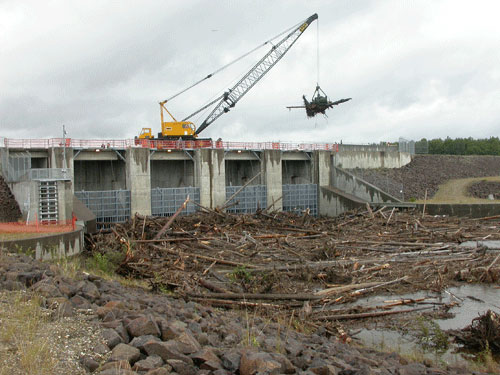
x=186 y=130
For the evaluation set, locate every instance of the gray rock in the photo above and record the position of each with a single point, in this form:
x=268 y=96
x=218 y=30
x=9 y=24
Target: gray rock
x=101 y=349
x=206 y=355
x=261 y=362
x=142 y=326
x=151 y=362
x=123 y=333
x=116 y=371
x=65 y=286
x=80 y=302
x=187 y=343
x=139 y=342
x=181 y=367
x=286 y=366
x=324 y=370
x=171 y=329
x=89 y=363
x=111 y=337
x=221 y=372
x=125 y=352
x=88 y=290
x=46 y=288
x=65 y=310
x=12 y=285
x=114 y=306
x=413 y=369
x=231 y=360
x=166 y=350
x=165 y=370
x=123 y=364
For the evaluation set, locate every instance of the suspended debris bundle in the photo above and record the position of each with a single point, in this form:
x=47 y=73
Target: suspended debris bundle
x=319 y=103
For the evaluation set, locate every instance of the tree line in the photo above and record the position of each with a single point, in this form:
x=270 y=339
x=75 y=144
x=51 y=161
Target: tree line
x=459 y=146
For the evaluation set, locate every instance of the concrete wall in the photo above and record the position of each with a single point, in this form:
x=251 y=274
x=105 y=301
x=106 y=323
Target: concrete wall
x=96 y=175
x=322 y=176
x=139 y=180
x=353 y=185
x=272 y=172
x=239 y=172
x=334 y=202
x=296 y=172
x=371 y=159
x=48 y=247
x=210 y=177
x=27 y=196
x=26 y=193
x=462 y=210
x=370 y=148
x=65 y=199
x=138 y=170
x=172 y=173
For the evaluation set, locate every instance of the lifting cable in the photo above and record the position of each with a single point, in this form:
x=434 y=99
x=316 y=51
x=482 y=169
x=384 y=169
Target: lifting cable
x=231 y=63
x=317 y=51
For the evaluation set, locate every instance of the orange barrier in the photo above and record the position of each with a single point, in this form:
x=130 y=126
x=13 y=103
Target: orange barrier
x=38 y=226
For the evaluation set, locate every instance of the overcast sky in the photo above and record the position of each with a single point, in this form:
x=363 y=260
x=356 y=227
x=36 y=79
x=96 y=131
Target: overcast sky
x=413 y=68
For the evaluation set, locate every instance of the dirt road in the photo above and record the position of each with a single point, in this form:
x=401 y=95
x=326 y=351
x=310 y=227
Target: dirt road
x=428 y=172
x=457 y=191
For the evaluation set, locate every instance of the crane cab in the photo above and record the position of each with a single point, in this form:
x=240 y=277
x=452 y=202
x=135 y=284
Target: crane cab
x=146 y=134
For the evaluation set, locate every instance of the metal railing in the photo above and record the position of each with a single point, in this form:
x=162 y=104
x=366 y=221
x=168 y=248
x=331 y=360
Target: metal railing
x=249 y=199
x=163 y=144
x=300 y=197
x=16 y=167
x=50 y=174
x=406 y=145
x=165 y=201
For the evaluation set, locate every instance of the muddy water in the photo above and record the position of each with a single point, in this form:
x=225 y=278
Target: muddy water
x=473 y=299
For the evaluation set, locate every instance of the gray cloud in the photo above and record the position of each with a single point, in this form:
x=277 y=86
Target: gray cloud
x=414 y=69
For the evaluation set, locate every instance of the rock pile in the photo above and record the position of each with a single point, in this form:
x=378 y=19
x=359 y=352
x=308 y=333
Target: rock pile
x=154 y=334
x=9 y=209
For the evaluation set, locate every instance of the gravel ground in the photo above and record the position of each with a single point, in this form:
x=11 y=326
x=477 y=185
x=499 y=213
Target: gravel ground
x=68 y=339
x=427 y=172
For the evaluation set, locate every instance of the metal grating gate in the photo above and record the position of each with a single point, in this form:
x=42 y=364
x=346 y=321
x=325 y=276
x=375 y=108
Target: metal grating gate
x=16 y=167
x=250 y=198
x=297 y=198
x=165 y=201
x=109 y=206
x=48 y=207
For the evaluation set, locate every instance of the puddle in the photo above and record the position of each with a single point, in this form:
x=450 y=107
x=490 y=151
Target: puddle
x=385 y=340
x=474 y=299
x=490 y=245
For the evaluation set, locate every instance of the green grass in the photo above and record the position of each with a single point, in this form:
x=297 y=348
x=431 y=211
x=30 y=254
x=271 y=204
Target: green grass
x=22 y=332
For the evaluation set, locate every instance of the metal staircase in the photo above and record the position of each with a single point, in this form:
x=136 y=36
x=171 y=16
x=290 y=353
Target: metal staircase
x=48 y=209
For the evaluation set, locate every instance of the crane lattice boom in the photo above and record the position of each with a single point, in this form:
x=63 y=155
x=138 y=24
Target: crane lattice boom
x=233 y=95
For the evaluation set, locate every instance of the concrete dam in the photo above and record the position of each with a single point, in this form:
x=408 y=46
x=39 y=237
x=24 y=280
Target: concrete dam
x=119 y=178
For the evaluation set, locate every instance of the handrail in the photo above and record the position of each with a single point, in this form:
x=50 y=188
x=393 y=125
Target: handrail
x=100 y=144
